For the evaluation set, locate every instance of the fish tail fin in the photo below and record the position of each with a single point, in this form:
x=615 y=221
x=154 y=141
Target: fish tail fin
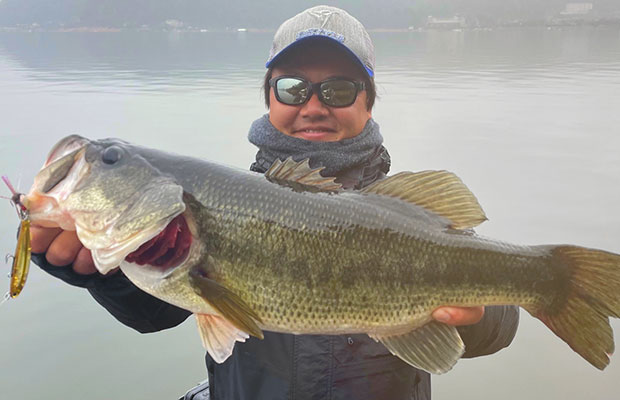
x=580 y=316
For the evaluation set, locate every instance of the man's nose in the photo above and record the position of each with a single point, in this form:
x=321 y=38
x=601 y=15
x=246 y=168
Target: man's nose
x=314 y=108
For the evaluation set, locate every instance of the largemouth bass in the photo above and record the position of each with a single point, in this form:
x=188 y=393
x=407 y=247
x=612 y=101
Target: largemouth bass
x=292 y=252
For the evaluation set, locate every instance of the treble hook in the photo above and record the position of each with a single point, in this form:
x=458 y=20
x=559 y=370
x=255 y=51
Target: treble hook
x=15 y=200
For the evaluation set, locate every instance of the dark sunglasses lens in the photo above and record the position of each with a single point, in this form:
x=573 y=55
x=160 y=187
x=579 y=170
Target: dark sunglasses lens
x=338 y=93
x=291 y=90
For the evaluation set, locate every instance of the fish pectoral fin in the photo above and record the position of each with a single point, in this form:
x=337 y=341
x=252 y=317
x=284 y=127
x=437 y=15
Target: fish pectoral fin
x=300 y=177
x=218 y=336
x=441 y=192
x=434 y=347
x=231 y=307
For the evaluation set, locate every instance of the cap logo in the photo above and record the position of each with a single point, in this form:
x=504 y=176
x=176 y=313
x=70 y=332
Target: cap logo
x=320 y=32
x=322 y=15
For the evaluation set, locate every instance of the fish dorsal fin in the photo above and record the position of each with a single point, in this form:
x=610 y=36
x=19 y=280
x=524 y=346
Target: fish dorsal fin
x=441 y=192
x=434 y=347
x=218 y=336
x=299 y=176
x=226 y=303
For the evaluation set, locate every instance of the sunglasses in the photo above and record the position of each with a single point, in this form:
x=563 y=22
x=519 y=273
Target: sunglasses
x=333 y=92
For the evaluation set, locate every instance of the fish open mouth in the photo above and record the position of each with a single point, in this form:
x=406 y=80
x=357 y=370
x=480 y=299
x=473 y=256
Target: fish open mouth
x=166 y=250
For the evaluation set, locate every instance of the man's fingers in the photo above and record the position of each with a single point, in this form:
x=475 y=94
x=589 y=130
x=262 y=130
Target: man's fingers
x=459 y=315
x=64 y=249
x=41 y=238
x=84 y=264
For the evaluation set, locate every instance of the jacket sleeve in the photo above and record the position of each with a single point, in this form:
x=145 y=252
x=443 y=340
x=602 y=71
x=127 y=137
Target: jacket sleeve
x=494 y=332
x=128 y=304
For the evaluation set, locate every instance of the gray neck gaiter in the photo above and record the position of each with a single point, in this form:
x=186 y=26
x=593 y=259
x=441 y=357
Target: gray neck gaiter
x=334 y=156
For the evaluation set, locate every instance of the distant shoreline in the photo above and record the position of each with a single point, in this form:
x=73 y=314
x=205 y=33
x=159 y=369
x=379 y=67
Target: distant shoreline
x=99 y=29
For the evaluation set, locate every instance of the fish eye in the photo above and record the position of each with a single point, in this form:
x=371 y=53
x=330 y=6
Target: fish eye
x=111 y=155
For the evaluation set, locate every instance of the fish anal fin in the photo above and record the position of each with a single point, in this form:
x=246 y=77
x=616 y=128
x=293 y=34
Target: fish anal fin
x=441 y=192
x=299 y=176
x=218 y=336
x=434 y=347
x=229 y=305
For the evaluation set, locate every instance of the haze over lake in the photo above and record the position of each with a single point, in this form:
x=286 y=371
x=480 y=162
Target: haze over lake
x=528 y=118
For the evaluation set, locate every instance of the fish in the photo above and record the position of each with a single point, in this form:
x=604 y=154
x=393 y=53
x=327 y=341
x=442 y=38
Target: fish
x=291 y=251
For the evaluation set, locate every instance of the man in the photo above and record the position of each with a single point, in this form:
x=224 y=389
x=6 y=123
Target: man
x=319 y=89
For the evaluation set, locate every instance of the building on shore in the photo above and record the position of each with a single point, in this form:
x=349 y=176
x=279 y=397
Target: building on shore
x=455 y=22
x=577 y=9
x=575 y=14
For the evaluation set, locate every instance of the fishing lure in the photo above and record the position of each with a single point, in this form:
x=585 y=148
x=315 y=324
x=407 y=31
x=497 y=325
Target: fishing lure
x=21 y=259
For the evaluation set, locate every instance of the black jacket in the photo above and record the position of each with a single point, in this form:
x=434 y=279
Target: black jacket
x=301 y=367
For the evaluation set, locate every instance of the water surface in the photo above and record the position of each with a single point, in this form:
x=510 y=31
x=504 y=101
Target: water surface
x=528 y=118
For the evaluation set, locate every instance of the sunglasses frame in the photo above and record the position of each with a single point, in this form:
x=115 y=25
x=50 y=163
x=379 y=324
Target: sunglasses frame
x=316 y=88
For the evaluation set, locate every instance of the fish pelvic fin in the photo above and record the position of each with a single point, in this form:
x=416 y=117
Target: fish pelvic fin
x=231 y=307
x=434 y=347
x=300 y=177
x=218 y=336
x=441 y=192
x=580 y=316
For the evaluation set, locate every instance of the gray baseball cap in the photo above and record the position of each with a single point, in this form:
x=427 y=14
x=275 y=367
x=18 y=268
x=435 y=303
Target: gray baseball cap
x=325 y=22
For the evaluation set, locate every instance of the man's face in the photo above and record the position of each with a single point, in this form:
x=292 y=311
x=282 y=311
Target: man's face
x=314 y=120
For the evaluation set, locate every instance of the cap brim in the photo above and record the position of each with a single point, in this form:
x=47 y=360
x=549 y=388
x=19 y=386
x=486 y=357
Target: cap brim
x=303 y=40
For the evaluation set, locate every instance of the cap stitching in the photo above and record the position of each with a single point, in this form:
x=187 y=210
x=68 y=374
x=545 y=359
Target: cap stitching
x=320 y=32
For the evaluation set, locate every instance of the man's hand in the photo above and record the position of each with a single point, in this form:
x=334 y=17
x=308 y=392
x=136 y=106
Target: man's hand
x=62 y=248
x=458 y=315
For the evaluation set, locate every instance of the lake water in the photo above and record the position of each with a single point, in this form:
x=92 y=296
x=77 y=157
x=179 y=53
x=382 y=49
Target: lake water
x=528 y=118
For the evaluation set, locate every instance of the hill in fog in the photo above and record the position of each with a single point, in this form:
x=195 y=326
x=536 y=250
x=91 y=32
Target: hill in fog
x=268 y=14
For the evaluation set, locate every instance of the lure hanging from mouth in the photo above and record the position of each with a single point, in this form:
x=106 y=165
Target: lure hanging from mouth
x=23 y=250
